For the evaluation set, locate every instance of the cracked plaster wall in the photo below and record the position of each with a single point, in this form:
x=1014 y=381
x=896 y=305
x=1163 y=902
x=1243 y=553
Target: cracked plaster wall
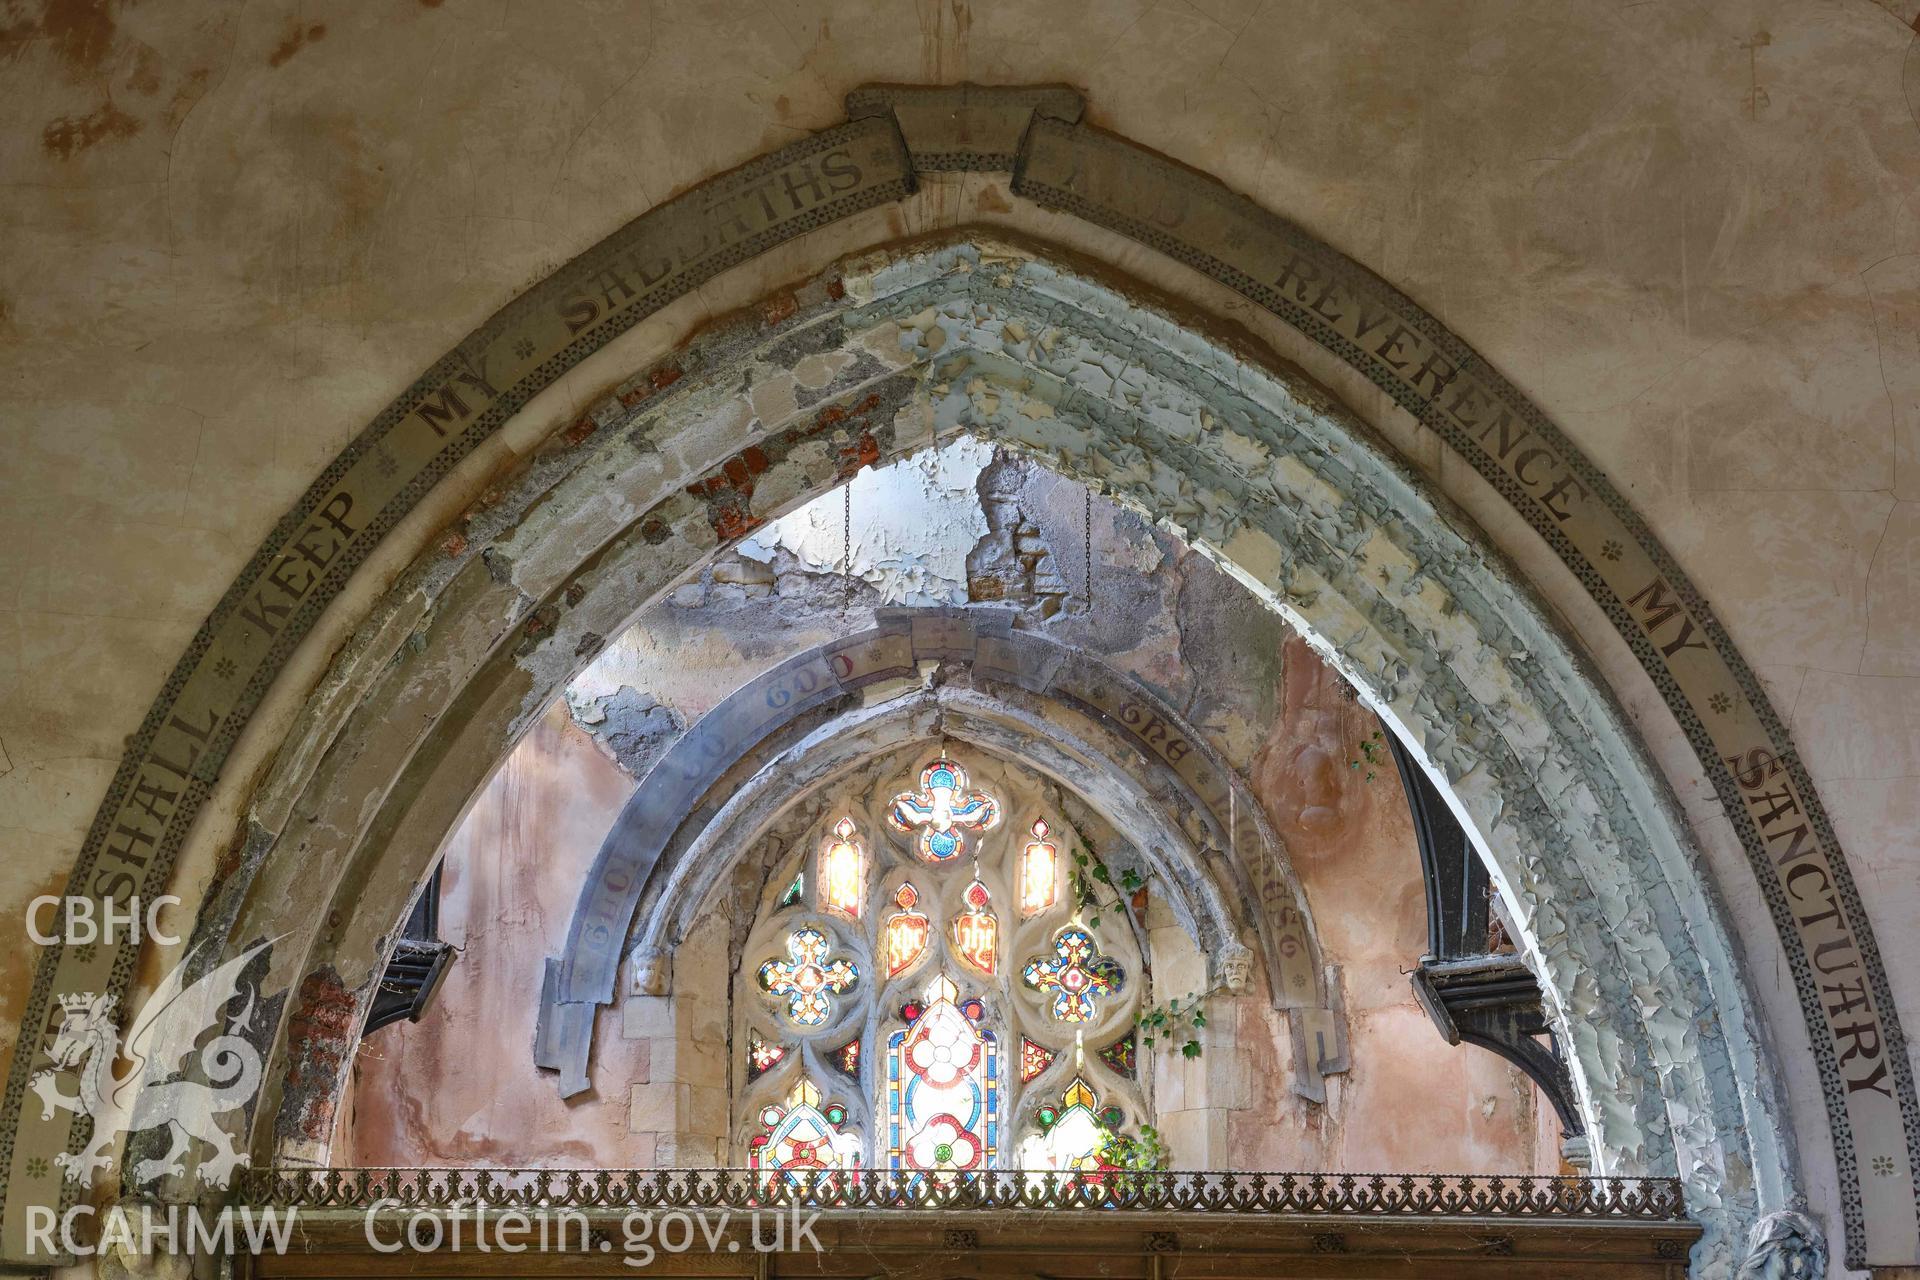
x=1165 y=614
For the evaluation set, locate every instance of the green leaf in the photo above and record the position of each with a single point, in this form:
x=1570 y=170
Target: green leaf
x=1199 y=1019
x=1101 y=874
x=1191 y=1049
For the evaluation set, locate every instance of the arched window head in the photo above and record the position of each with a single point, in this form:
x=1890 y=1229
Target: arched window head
x=894 y=979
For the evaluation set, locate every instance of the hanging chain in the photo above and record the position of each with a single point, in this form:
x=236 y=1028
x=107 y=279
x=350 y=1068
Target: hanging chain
x=846 y=545
x=1086 y=548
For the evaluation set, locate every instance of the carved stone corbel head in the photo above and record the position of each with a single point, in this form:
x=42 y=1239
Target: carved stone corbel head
x=652 y=971
x=1234 y=968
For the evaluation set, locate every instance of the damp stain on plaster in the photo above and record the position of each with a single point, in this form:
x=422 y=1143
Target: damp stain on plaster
x=67 y=136
x=80 y=34
x=119 y=72
x=297 y=38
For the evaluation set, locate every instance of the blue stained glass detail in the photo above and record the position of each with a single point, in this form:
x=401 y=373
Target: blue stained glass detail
x=942 y=812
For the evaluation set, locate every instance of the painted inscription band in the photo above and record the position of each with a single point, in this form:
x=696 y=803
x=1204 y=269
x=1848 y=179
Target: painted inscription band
x=468 y=394
x=210 y=695
x=1482 y=418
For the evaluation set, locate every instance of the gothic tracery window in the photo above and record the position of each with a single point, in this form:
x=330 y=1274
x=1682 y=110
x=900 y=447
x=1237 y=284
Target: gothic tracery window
x=928 y=969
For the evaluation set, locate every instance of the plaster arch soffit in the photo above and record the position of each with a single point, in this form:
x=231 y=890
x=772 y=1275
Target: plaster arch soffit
x=1057 y=162
x=1342 y=541
x=1125 y=752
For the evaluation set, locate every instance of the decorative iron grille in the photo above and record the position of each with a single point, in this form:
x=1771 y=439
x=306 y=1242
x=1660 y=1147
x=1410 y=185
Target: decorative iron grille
x=622 y=1190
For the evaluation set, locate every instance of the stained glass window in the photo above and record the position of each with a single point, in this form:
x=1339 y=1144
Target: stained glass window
x=1070 y=1132
x=889 y=974
x=843 y=878
x=799 y=1134
x=1034 y=1058
x=943 y=811
x=943 y=1077
x=976 y=934
x=905 y=938
x=762 y=1056
x=1039 y=871
x=807 y=978
x=1122 y=1056
x=1077 y=974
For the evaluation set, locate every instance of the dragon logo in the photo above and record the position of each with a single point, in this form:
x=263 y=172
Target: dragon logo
x=166 y=1032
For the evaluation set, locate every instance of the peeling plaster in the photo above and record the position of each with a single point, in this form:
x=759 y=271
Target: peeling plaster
x=1580 y=832
x=903 y=519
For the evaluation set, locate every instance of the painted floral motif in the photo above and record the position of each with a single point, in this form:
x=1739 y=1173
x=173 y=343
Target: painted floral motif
x=943 y=1145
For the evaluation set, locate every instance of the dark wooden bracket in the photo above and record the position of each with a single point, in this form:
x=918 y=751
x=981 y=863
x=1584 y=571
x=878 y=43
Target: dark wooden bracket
x=1473 y=993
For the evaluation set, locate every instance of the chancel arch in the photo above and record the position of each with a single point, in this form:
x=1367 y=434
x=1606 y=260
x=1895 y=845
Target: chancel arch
x=1290 y=497
x=880 y=358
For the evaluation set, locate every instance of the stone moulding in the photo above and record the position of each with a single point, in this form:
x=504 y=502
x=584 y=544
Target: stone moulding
x=648 y=863
x=1208 y=890
x=172 y=760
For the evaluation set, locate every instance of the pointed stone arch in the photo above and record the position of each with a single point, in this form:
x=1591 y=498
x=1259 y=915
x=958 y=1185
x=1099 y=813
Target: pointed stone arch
x=1258 y=471
x=174 y=758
